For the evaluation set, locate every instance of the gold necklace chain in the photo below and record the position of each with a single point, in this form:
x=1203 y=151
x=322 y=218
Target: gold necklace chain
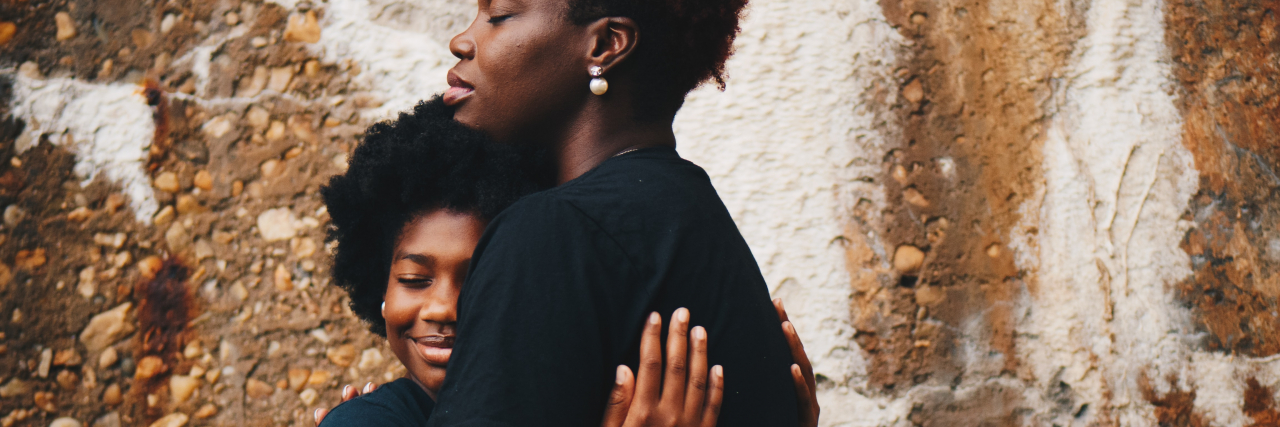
x=625 y=151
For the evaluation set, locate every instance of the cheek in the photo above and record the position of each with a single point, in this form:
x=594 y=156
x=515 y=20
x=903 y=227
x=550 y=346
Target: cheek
x=398 y=312
x=522 y=100
x=526 y=68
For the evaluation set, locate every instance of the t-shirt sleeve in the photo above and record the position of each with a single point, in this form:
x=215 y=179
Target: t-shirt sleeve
x=534 y=322
x=362 y=412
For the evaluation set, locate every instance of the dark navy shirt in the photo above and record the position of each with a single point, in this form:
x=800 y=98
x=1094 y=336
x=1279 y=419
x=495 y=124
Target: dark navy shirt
x=398 y=403
x=562 y=282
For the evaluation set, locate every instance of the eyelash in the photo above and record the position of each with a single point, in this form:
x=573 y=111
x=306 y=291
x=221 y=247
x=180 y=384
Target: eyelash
x=497 y=19
x=423 y=281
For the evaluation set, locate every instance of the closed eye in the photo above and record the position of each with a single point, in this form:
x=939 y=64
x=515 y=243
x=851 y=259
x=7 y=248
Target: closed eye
x=499 y=18
x=415 y=281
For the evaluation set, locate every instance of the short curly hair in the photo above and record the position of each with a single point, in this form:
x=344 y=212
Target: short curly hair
x=422 y=161
x=683 y=44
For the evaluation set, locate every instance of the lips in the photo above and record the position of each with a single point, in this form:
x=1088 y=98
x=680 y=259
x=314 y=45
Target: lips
x=459 y=90
x=435 y=349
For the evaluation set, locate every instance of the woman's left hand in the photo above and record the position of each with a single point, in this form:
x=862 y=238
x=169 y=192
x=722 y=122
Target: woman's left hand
x=689 y=396
x=663 y=411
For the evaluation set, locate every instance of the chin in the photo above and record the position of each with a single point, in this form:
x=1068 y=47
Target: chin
x=432 y=378
x=467 y=114
x=462 y=114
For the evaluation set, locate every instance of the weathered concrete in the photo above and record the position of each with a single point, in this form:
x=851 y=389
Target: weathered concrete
x=1091 y=185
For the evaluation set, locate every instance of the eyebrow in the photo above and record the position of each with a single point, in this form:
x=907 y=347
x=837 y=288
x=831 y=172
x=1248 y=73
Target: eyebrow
x=423 y=260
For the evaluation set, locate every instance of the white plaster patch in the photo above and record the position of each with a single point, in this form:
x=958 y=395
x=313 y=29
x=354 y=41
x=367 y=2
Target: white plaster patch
x=109 y=125
x=1219 y=381
x=400 y=60
x=1117 y=180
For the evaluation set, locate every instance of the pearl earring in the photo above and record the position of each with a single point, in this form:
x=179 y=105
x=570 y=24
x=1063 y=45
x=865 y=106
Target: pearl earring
x=598 y=84
x=384 y=306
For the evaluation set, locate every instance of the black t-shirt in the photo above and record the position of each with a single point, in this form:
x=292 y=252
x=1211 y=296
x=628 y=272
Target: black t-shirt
x=398 y=403
x=562 y=282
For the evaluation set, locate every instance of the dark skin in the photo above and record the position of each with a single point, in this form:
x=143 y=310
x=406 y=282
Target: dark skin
x=428 y=267
x=522 y=77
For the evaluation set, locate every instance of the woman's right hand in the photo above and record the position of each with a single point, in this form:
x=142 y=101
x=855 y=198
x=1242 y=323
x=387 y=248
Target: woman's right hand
x=348 y=393
x=801 y=371
x=689 y=396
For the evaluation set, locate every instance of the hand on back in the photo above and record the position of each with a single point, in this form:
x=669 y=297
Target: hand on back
x=685 y=394
x=801 y=371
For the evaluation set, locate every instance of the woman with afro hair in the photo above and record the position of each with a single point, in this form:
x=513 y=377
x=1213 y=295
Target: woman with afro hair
x=562 y=281
x=406 y=216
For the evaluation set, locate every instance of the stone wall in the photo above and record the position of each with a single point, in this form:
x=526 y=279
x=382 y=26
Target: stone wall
x=979 y=212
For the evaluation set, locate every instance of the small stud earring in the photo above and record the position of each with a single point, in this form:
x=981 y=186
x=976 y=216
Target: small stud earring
x=598 y=84
x=384 y=306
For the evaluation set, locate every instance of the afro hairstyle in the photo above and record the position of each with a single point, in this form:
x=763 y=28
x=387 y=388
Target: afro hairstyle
x=683 y=44
x=422 y=161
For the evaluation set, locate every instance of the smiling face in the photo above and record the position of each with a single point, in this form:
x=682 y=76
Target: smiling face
x=522 y=68
x=428 y=266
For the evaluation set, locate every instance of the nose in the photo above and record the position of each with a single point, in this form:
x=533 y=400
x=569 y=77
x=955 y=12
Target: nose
x=442 y=304
x=463 y=45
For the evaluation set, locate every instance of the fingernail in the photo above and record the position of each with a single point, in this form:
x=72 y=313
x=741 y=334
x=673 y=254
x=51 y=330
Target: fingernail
x=622 y=375
x=699 y=333
x=316 y=414
x=347 y=390
x=655 y=318
x=682 y=314
x=795 y=368
x=368 y=387
x=786 y=326
x=718 y=371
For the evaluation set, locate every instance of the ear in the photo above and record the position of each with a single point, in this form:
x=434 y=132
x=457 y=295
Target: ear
x=613 y=39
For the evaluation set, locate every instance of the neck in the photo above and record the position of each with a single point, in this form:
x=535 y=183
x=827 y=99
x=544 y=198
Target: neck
x=599 y=134
x=430 y=392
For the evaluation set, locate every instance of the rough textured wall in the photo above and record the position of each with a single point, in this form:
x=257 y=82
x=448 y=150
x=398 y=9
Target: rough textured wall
x=979 y=212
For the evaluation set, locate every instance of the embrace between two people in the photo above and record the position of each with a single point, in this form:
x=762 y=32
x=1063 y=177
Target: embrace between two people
x=528 y=229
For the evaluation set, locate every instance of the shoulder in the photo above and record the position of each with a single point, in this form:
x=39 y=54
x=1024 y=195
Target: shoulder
x=546 y=212
x=655 y=167
x=362 y=412
x=393 y=404
x=625 y=200
x=636 y=180
x=649 y=181
x=537 y=229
